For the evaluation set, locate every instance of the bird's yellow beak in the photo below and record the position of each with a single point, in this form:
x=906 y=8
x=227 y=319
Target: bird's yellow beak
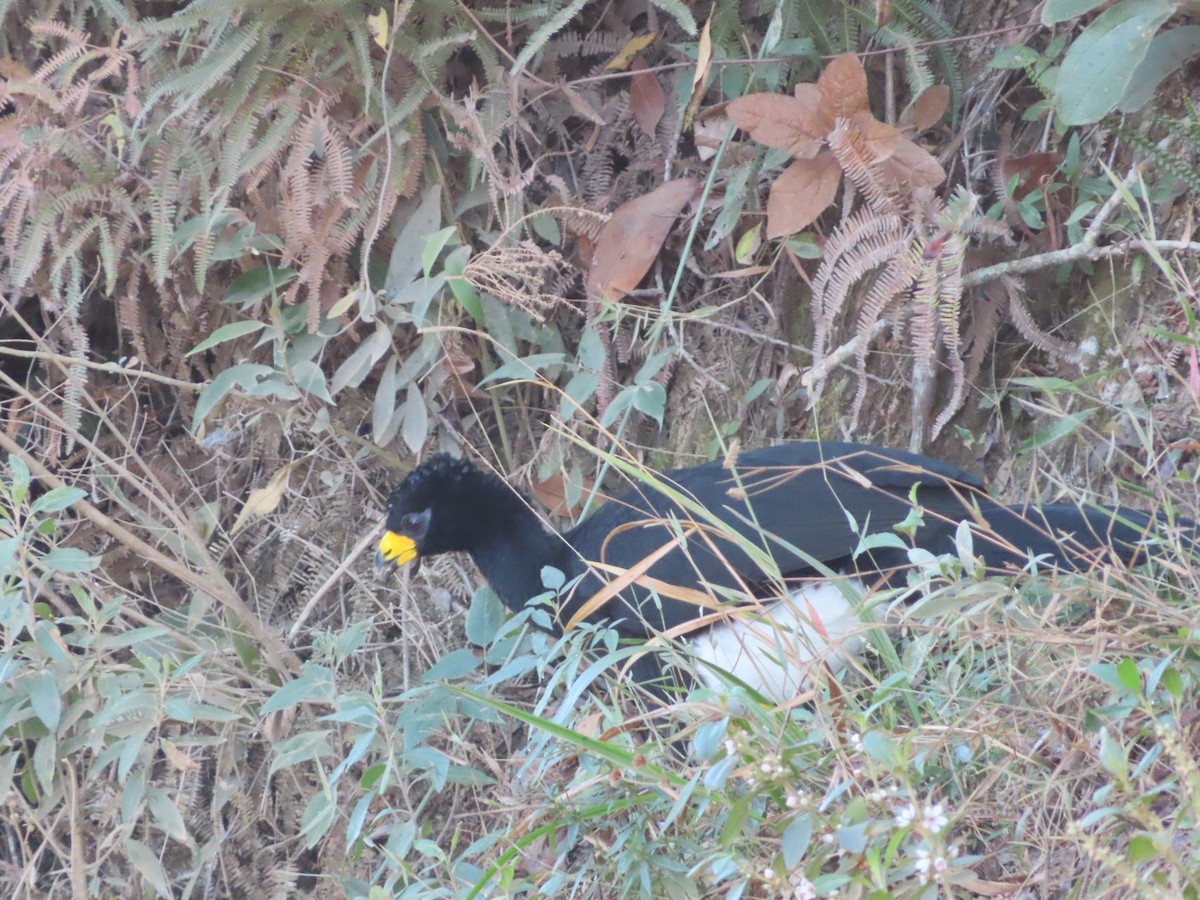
x=395 y=549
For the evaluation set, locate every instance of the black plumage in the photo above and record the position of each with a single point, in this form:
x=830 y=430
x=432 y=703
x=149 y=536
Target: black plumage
x=804 y=503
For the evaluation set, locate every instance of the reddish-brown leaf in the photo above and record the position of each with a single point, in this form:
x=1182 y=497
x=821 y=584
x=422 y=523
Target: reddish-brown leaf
x=777 y=120
x=843 y=85
x=646 y=97
x=929 y=107
x=552 y=494
x=1033 y=171
x=911 y=167
x=629 y=242
x=822 y=115
x=801 y=193
x=880 y=139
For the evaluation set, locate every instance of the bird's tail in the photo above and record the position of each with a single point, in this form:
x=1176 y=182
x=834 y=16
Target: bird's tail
x=1074 y=537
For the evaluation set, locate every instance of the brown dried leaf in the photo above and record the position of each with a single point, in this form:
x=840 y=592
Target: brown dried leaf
x=177 y=757
x=809 y=93
x=628 y=245
x=777 y=120
x=843 y=86
x=632 y=48
x=646 y=98
x=552 y=494
x=265 y=500
x=1033 y=171
x=704 y=51
x=801 y=193
x=929 y=107
x=879 y=138
x=912 y=168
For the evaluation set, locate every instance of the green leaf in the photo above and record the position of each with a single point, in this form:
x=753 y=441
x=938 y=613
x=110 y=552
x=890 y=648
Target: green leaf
x=735 y=821
x=405 y=263
x=244 y=375
x=69 y=560
x=166 y=813
x=484 y=617
x=230 y=332
x=883 y=749
x=1056 y=11
x=577 y=393
x=1172 y=683
x=318 y=816
x=1129 y=676
x=455 y=664
x=1100 y=64
x=55 y=500
x=651 y=399
x=464 y=293
x=1168 y=52
x=1057 y=430
x=309 y=377
x=853 y=838
x=252 y=286
x=315 y=685
x=525 y=368
x=45 y=699
x=434 y=245
x=1141 y=847
x=416 y=418
x=301 y=748
x=147 y=864
x=20 y=477
x=1014 y=57
x=796 y=838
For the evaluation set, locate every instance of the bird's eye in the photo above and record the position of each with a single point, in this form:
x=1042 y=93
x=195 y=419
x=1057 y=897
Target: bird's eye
x=411 y=523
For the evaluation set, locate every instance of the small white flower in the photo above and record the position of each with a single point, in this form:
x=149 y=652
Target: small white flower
x=855 y=740
x=803 y=889
x=928 y=866
x=923 y=863
x=934 y=818
x=906 y=815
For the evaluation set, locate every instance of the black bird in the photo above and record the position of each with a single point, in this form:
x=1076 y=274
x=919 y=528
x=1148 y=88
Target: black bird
x=750 y=527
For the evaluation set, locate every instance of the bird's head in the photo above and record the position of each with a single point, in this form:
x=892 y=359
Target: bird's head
x=431 y=511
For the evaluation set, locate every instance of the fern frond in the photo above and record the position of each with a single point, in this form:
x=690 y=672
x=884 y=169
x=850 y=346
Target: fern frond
x=195 y=81
x=164 y=188
x=949 y=306
x=678 y=11
x=902 y=264
x=849 y=147
x=537 y=40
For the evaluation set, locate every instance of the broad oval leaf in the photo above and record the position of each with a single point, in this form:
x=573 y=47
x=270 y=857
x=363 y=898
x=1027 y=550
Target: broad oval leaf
x=631 y=239
x=1100 y=63
x=801 y=193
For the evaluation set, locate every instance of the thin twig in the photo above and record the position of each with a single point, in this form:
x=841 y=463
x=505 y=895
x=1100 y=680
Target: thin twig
x=1075 y=254
x=109 y=367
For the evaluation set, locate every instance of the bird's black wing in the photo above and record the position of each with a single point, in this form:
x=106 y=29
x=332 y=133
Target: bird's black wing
x=802 y=495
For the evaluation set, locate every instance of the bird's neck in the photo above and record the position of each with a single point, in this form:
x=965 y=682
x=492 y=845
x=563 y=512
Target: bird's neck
x=513 y=548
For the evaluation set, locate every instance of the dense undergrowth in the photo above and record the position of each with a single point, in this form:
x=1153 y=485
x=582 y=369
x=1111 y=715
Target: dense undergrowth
x=256 y=259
